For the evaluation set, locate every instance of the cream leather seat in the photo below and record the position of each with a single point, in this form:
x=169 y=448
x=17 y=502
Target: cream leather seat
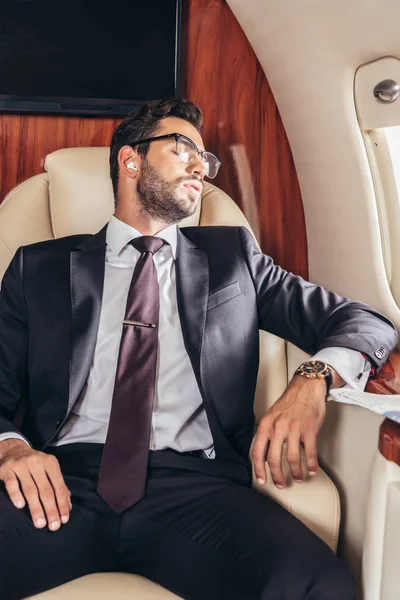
x=74 y=195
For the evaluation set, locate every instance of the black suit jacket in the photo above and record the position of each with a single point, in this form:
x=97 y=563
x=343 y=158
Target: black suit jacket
x=227 y=290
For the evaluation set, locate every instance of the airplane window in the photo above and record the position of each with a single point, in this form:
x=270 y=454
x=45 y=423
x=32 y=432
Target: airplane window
x=379 y=123
x=383 y=148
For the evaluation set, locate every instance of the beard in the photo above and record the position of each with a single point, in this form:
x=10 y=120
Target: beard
x=159 y=198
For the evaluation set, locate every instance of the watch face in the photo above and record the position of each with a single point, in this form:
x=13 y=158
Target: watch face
x=314 y=366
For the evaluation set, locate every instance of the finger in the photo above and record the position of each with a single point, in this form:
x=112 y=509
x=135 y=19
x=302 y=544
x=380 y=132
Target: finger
x=14 y=491
x=31 y=494
x=274 y=457
x=310 y=450
x=259 y=453
x=61 y=491
x=293 y=454
x=47 y=497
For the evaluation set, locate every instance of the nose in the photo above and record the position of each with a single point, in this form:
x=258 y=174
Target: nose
x=197 y=166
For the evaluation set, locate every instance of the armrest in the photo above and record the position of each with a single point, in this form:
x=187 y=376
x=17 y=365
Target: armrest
x=315 y=501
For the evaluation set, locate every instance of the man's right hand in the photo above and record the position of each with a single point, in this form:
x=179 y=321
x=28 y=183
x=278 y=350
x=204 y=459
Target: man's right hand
x=35 y=477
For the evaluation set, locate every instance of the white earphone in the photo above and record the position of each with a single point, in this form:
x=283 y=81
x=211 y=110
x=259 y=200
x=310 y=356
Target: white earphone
x=132 y=166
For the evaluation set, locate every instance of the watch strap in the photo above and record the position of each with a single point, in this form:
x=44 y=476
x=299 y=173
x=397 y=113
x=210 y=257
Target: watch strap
x=327 y=375
x=328 y=380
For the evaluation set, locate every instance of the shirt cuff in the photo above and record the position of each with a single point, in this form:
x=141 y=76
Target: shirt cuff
x=349 y=364
x=9 y=435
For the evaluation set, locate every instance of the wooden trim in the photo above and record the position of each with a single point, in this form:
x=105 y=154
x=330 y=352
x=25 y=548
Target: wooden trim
x=242 y=126
x=26 y=140
x=388 y=382
x=389 y=441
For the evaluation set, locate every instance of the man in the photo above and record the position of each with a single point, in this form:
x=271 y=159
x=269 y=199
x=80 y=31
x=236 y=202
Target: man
x=137 y=351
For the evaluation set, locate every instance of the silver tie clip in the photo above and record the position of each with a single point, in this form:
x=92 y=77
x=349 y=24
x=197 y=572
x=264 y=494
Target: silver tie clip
x=126 y=322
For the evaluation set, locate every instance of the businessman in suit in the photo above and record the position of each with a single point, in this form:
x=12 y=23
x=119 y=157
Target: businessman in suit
x=136 y=351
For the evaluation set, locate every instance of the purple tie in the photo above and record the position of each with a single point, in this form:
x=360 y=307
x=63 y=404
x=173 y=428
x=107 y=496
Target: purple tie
x=123 y=469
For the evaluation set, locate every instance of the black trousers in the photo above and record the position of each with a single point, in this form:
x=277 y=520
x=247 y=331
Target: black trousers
x=200 y=532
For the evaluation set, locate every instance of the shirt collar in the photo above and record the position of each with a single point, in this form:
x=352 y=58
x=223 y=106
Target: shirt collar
x=119 y=234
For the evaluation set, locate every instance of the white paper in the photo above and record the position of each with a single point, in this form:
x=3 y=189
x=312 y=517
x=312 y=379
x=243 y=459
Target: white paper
x=387 y=406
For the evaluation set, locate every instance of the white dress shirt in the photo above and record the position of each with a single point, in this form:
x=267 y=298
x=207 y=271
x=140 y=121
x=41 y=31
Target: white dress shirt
x=179 y=419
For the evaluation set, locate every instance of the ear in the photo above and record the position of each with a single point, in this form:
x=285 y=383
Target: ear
x=129 y=161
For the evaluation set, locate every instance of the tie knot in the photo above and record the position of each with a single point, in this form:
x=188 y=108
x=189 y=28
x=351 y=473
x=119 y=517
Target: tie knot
x=147 y=243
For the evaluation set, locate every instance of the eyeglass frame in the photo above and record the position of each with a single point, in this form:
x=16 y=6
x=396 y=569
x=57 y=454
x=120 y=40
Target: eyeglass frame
x=177 y=136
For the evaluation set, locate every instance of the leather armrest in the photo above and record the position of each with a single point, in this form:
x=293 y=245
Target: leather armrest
x=315 y=501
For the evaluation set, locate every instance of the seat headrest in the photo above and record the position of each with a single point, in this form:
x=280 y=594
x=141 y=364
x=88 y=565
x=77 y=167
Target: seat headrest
x=75 y=196
x=80 y=191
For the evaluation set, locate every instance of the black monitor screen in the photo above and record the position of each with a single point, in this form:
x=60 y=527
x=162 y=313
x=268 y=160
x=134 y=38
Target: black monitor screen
x=87 y=56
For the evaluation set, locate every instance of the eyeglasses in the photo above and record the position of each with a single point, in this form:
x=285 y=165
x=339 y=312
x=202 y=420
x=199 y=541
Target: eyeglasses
x=187 y=151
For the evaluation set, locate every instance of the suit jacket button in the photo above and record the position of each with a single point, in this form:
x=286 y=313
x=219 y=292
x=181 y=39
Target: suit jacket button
x=58 y=422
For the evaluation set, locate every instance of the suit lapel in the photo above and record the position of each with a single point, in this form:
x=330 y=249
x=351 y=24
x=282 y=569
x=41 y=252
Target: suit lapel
x=192 y=284
x=87 y=277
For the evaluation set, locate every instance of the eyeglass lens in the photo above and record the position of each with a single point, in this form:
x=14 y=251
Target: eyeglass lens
x=187 y=153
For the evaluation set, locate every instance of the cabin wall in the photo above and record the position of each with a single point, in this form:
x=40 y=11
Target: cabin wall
x=242 y=126
x=310 y=52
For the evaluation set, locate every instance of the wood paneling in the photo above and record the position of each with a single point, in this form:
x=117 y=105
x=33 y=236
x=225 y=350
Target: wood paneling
x=388 y=382
x=242 y=126
x=25 y=141
x=389 y=441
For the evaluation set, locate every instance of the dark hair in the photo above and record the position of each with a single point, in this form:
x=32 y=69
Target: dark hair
x=142 y=123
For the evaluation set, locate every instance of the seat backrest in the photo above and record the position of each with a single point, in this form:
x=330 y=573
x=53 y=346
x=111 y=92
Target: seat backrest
x=75 y=195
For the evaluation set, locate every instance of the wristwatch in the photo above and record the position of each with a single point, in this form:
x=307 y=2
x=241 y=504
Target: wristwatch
x=316 y=369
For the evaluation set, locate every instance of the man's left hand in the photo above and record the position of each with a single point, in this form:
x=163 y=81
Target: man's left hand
x=296 y=417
